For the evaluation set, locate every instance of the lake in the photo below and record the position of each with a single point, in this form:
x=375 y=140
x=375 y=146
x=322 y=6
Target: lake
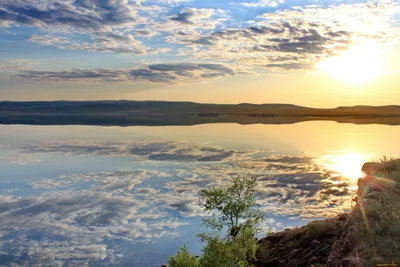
x=127 y=196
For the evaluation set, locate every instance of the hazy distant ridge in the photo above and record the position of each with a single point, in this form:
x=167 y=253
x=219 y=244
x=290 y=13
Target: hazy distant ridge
x=125 y=112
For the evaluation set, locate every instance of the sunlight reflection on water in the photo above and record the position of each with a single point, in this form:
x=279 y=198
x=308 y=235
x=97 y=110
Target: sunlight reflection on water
x=347 y=165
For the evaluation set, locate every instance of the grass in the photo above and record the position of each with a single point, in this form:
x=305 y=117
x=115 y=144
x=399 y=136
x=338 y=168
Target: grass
x=376 y=221
x=317 y=228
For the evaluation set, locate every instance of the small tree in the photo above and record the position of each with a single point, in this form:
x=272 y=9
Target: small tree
x=234 y=207
x=183 y=259
x=223 y=252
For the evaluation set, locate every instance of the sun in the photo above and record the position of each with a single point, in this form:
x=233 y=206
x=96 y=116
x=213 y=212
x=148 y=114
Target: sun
x=358 y=65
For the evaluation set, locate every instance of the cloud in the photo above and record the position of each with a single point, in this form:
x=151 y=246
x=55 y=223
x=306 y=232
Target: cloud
x=78 y=148
x=15 y=65
x=156 y=150
x=103 y=21
x=255 y=45
x=306 y=33
x=84 y=75
x=291 y=66
x=192 y=15
x=87 y=213
x=294 y=181
x=184 y=17
x=263 y=3
x=18 y=159
x=300 y=186
x=153 y=73
x=105 y=42
x=192 y=20
x=93 y=15
x=73 y=224
x=294 y=38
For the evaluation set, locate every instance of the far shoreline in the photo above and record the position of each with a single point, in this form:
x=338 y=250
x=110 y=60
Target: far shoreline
x=162 y=113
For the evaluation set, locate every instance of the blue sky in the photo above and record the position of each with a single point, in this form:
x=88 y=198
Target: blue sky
x=95 y=49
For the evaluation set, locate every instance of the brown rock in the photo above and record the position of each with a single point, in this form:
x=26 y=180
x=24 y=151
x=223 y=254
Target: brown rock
x=370 y=168
x=271 y=263
x=291 y=263
x=311 y=261
x=293 y=253
x=315 y=244
x=333 y=263
x=346 y=262
x=351 y=238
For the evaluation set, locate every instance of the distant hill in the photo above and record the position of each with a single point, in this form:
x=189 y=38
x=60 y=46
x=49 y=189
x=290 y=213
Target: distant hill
x=125 y=113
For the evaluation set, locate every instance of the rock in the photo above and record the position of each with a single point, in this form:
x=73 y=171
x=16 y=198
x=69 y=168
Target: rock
x=315 y=244
x=293 y=253
x=164 y=265
x=304 y=252
x=290 y=264
x=311 y=261
x=351 y=238
x=346 y=262
x=373 y=195
x=333 y=263
x=371 y=168
x=271 y=263
x=342 y=217
x=325 y=250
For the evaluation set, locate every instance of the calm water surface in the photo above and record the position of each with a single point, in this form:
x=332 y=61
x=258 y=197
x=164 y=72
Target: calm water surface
x=83 y=195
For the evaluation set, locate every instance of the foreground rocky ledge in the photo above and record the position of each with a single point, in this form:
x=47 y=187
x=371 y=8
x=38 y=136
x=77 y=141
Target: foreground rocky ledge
x=367 y=236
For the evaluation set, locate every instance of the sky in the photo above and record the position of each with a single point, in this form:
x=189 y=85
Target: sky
x=313 y=53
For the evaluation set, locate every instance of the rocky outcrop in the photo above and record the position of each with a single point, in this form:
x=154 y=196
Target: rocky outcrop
x=330 y=242
x=300 y=247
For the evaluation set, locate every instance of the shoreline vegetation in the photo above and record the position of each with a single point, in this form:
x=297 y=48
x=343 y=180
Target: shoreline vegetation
x=369 y=235
x=162 y=113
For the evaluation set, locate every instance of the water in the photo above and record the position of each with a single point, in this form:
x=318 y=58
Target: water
x=83 y=195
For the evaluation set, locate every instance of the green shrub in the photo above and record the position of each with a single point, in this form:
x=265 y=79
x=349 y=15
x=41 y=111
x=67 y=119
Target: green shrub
x=183 y=259
x=233 y=208
x=228 y=252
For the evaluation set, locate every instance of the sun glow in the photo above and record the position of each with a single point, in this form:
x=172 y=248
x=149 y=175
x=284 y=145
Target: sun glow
x=347 y=165
x=358 y=65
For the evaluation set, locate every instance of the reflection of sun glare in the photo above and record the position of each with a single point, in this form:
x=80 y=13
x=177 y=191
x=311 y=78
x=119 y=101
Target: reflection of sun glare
x=348 y=165
x=358 y=65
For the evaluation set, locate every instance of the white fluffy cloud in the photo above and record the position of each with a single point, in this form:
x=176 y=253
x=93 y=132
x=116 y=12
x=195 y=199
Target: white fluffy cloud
x=286 y=37
x=76 y=216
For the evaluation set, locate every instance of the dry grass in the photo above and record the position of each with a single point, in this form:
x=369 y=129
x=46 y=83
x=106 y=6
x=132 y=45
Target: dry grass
x=376 y=220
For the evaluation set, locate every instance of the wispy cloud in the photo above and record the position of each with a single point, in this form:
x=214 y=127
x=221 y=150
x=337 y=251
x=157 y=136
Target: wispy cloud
x=280 y=35
x=157 y=151
x=154 y=73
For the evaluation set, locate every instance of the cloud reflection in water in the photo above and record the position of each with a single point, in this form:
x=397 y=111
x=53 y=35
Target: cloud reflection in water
x=77 y=216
